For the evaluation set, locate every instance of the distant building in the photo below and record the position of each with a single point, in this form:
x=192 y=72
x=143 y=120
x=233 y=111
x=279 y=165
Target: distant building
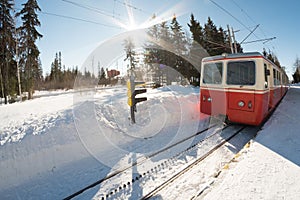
x=112 y=73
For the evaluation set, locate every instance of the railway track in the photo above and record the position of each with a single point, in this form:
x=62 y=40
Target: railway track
x=231 y=131
x=143 y=160
x=157 y=189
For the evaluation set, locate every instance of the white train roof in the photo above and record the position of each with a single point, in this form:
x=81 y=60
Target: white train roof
x=228 y=56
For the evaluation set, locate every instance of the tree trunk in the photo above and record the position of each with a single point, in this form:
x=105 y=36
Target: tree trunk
x=30 y=94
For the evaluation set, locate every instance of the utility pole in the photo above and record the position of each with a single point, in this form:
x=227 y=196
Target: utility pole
x=234 y=41
x=1 y=82
x=93 y=71
x=230 y=42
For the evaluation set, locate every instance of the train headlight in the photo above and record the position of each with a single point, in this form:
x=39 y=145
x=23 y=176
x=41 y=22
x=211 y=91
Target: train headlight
x=209 y=99
x=241 y=104
x=249 y=104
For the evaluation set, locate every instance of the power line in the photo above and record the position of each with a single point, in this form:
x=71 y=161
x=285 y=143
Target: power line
x=260 y=40
x=220 y=45
x=131 y=6
x=94 y=9
x=262 y=31
x=250 y=33
x=79 y=19
x=239 y=21
x=242 y=10
x=103 y=12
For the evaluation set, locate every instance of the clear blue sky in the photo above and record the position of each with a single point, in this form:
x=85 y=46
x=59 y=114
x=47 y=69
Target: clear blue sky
x=77 y=39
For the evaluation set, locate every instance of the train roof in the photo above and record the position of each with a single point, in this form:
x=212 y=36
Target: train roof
x=236 y=55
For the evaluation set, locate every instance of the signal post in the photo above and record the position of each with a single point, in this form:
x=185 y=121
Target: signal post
x=132 y=100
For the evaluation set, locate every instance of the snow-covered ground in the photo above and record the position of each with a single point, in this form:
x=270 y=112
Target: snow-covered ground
x=55 y=145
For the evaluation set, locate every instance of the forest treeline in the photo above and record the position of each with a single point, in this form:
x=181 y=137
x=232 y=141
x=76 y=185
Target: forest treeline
x=21 y=67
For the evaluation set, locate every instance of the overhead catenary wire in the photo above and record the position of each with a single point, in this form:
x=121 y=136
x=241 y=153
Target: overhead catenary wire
x=249 y=34
x=79 y=19
x=261 y=40
x=131 y=6
x=243 y=11
x=240 y=22
x=260 y=28
x=94 y=9
x=109 y=14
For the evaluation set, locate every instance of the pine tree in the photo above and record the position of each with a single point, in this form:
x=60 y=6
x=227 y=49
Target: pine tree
x=178 y=40
x=130 y=53
x=166 y=57
x=28 y=50
x=222 y=40
x=296 y=75
x=272 y=57
x=152 y=54
x=152 y=46
x=196 y=30
x=54 y=70
x=101 y=75
x=181 y=44
x=210 y=38
x=264 y=52
x=7 y=50
x=196 y=50
x=57 y=73
x=99 y=71
x=60 y=68
x=38 y=76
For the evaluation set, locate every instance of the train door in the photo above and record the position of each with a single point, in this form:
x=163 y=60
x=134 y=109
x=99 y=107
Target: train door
x=281 y=84
x=267 y=85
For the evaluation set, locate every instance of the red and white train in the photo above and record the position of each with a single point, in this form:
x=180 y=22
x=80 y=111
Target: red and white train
x=244 y=87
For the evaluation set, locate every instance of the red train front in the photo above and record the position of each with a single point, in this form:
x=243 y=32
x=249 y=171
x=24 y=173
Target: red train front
x=242 y=87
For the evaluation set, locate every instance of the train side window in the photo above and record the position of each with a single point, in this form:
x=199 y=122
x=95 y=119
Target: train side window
x=274 y=77
x=213 y=73
x=241 y=73
x=277 y=77
x=267 y=73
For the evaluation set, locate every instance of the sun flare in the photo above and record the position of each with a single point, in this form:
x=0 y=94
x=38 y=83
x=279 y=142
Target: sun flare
x=131 y=24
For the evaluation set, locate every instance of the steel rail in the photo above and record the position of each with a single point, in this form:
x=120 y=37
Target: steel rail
x=187 y=168
x=137 y=163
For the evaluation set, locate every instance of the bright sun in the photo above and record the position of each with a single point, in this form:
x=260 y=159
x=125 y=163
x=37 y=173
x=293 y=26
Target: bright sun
x=131 y=24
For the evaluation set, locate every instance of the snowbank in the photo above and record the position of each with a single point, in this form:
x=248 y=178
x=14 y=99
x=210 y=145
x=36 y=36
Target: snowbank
x=57 y=144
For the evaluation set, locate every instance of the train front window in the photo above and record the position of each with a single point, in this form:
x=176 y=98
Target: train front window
x=213 y=73
x=241 y=73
